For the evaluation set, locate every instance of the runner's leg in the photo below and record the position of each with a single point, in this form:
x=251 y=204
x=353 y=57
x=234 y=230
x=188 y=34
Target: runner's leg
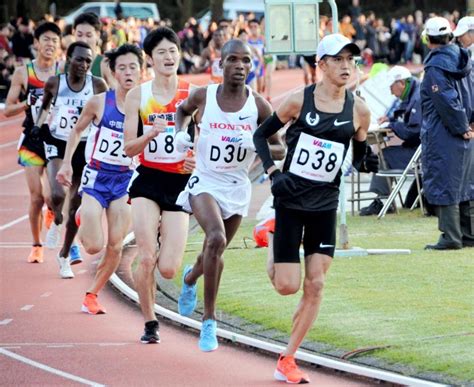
x=71 y=226
x=33 y=179
x=146 y=220
x=174 y=234
x=91 y=234
x=118 y=220
x=316 y=267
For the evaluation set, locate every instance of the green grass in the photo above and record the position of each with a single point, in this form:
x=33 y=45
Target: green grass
x=421 y=305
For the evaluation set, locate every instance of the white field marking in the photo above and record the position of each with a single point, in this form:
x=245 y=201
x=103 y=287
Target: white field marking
x=46 y=368
x=16 y=243
x=27 y=307
x=13 y=222
x=82 y=271
x=6 y=321
x=283 y=95
x=60 y=346
x=11 y=347
x=11 y=121
x=7 y=144
x=7 y=176
x=14 y=247
x=2 y=345
x=47 y=294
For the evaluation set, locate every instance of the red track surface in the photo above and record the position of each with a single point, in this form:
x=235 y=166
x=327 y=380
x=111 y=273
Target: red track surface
x=40 y=318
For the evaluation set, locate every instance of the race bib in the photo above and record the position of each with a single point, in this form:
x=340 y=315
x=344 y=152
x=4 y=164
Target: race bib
x=88 y=178
x=109 y=148
x=161 y=149
x=66 y=118
x=224 y=154
x=50 y=151
x=317 y=159
x=216 y=70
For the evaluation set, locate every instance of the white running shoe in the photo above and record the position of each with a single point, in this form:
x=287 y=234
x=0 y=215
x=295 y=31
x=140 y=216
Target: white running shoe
x=65 y=270
x=53 y=236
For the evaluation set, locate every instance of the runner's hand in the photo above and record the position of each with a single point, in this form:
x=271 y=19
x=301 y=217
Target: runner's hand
x=282 y=184
x=246 y=140
x=182 y=141
x=370 y=163
x=189 y=161
x=64 y=175
x=159 y=126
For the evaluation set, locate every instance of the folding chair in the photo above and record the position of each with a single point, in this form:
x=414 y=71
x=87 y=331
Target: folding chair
x=413 y=169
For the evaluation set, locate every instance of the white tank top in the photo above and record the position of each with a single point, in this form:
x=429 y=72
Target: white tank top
x=67 y=108
x=218 y=153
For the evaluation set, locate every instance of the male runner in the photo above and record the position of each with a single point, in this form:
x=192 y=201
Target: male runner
x=106 y=177
x=218 y=192
x=66 y=94
x=324 y=118
x=86 y=28
x=211 y=56
x=257 y=41
x=163 y=172
x=29 y=80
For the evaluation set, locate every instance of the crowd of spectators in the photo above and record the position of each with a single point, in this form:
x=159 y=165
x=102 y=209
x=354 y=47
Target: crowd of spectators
x=394 y=41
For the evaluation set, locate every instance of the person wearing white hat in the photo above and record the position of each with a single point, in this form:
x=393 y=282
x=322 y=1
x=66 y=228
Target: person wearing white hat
x=324 y=118
x=405 y=121
x=464 y=33
x=446 y=137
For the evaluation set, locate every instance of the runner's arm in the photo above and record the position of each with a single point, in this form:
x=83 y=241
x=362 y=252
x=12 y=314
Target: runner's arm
x=287 y=111
x=88 y=114
x=12 y=105
x=99 y=85
x=186 y=109
x=50 y=90
x=363 y=159
x=133 y=144
x=276 y=146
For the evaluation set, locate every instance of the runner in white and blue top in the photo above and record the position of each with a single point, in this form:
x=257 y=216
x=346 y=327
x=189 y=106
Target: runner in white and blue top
x=106 y=177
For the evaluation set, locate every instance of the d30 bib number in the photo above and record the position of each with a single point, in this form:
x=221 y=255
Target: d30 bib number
x=161 y=149
x=317 y=159
x=223 y=156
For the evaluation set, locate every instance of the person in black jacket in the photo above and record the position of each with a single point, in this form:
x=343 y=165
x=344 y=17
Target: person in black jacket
x=405 y=122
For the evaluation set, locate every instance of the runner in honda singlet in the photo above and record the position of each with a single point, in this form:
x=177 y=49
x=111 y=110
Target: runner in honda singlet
x=66 y=95
x=162 y=174
x=106 y=177
x=324 y=118
x=29 y=80
x=218 y=192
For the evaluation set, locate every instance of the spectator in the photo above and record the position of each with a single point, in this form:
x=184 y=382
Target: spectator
x=406 y=124
x=346 y=27
x=22 y=41
x=5 y=35
x=361 y=32
x=446 y=136
x=464 y=33
x=118 y=10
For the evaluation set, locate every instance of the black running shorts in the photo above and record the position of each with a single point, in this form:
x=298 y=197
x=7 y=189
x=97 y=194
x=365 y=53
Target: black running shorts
x=161 y=187
x=316 y=229
x=55 y=149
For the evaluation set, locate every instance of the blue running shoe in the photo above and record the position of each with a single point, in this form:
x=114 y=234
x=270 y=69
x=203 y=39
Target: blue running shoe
x=208 y=338
x=188 y=298
x=75 y=255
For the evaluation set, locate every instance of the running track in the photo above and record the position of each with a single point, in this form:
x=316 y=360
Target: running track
x=46 y=340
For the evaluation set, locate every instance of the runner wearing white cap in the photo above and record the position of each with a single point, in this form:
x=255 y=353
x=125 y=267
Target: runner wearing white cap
x=324 y=118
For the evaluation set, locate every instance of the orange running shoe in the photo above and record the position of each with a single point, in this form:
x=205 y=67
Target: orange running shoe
x=36 y=254
x=261 y=230
x=48 y=218
x=91 y=306
x=288 y=371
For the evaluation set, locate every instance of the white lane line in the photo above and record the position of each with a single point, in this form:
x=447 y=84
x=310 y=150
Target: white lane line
x=2 y=345
x=283 y=95
x=10 y=121
x=7 y=144
x=112 y=344
x=12 y=347
x=14 y=247
x=60 y=346
x=47 y=294
x=27 y=307
x=4 y=177
x=13 y=222
x=6 y=321
x=15 y=244
x=52 y=370
x=82 y=271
